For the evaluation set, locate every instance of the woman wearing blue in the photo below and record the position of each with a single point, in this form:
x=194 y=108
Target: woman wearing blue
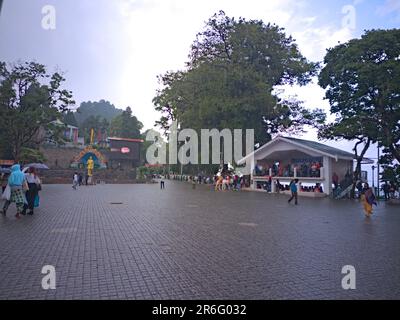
x=16 y=182
x=293 y=189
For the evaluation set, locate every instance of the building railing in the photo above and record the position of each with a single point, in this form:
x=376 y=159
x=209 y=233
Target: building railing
x=318 y=175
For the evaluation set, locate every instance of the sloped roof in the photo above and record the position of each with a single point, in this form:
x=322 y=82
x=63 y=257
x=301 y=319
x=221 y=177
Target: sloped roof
x=322 y=147
x=308 y=144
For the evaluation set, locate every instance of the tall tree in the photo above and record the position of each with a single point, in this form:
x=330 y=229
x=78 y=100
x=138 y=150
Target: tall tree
x=126 y=125
x=69 y=118
x=97 y=123
x=229 y=82
x=30 y=99
x=361 y=78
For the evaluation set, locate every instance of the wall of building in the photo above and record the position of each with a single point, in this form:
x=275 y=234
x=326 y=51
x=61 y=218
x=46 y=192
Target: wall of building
x=58 y=157
x=341 y=167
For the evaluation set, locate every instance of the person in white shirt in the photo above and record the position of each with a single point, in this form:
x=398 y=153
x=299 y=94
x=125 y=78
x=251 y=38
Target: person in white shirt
x=33 y=183
x=75 y=182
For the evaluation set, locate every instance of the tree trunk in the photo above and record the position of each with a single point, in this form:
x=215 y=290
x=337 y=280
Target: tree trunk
x=357 y=171
x=395 y=152
x=16 y=153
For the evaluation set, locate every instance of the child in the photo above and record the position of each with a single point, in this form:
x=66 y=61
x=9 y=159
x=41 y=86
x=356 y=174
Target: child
x=75 y=181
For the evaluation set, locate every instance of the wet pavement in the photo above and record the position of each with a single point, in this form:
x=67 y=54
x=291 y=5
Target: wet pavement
x=140 y=242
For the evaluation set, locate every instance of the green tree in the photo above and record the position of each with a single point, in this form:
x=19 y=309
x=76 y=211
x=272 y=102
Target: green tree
x=126 y=125
x=96 y=123
x=361 y=78
x=103 y=109
x=29 y=155
x=69 y=118
x=30 y=99
x=230 y=78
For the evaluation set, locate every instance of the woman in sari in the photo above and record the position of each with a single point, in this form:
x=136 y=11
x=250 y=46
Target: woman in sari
x=368 y=199
x=17 y=182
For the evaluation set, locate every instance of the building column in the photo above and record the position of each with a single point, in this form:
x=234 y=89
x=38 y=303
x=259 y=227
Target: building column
x=327 y=164
x=253 y=184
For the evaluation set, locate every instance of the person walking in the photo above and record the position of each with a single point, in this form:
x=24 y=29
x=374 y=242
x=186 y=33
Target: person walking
x=193 y=182
x=162 y=183
x=278 y=186
x=75 y=181
x=4 y=182
x=293 y=190
x=368 y=199
x=18 y=185
x=386 y=190
x=33 y=184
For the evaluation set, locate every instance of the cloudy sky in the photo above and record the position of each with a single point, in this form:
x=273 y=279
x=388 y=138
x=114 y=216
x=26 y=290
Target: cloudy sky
x=114 y=50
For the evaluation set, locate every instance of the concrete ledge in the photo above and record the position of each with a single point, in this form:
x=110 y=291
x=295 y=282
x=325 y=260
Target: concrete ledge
x=300 y=194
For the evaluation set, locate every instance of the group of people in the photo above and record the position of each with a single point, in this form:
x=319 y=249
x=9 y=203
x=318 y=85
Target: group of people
x=280 y=187
x=220 y=181
x=368 y=199
x=22 y=189
x=389 y=190
x=304 y=169
x=228 y=182
x=78 y=180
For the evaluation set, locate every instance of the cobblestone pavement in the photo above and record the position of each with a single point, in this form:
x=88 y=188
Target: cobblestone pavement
x=140 y=242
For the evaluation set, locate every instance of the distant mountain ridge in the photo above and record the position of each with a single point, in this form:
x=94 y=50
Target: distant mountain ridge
x=101 y=108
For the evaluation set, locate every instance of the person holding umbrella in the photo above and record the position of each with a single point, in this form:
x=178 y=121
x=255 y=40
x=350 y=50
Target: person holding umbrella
x=34 y=185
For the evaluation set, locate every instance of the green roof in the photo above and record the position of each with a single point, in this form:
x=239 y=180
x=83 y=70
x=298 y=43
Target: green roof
x=322 y=147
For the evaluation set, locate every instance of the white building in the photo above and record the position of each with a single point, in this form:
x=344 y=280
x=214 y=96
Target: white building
x=313 y=163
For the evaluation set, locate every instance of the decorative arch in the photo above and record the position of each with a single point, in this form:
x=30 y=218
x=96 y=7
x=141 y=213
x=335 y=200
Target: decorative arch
x=90 y=150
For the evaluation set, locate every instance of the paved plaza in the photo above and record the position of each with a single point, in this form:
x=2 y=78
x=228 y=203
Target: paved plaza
x=140 y=242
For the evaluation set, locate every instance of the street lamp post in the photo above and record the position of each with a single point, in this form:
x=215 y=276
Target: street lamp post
x=373 y=179
x=378 y=172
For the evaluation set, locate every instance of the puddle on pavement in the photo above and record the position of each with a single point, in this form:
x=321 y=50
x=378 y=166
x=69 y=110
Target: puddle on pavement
x=247 y=224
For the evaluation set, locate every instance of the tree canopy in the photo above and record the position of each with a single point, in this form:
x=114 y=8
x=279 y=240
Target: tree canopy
x=361 y=78
x=126 y=125
x=30 y=99
x=229 y=80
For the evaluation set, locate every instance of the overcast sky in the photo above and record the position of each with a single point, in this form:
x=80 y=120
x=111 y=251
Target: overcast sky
x=114 y=50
